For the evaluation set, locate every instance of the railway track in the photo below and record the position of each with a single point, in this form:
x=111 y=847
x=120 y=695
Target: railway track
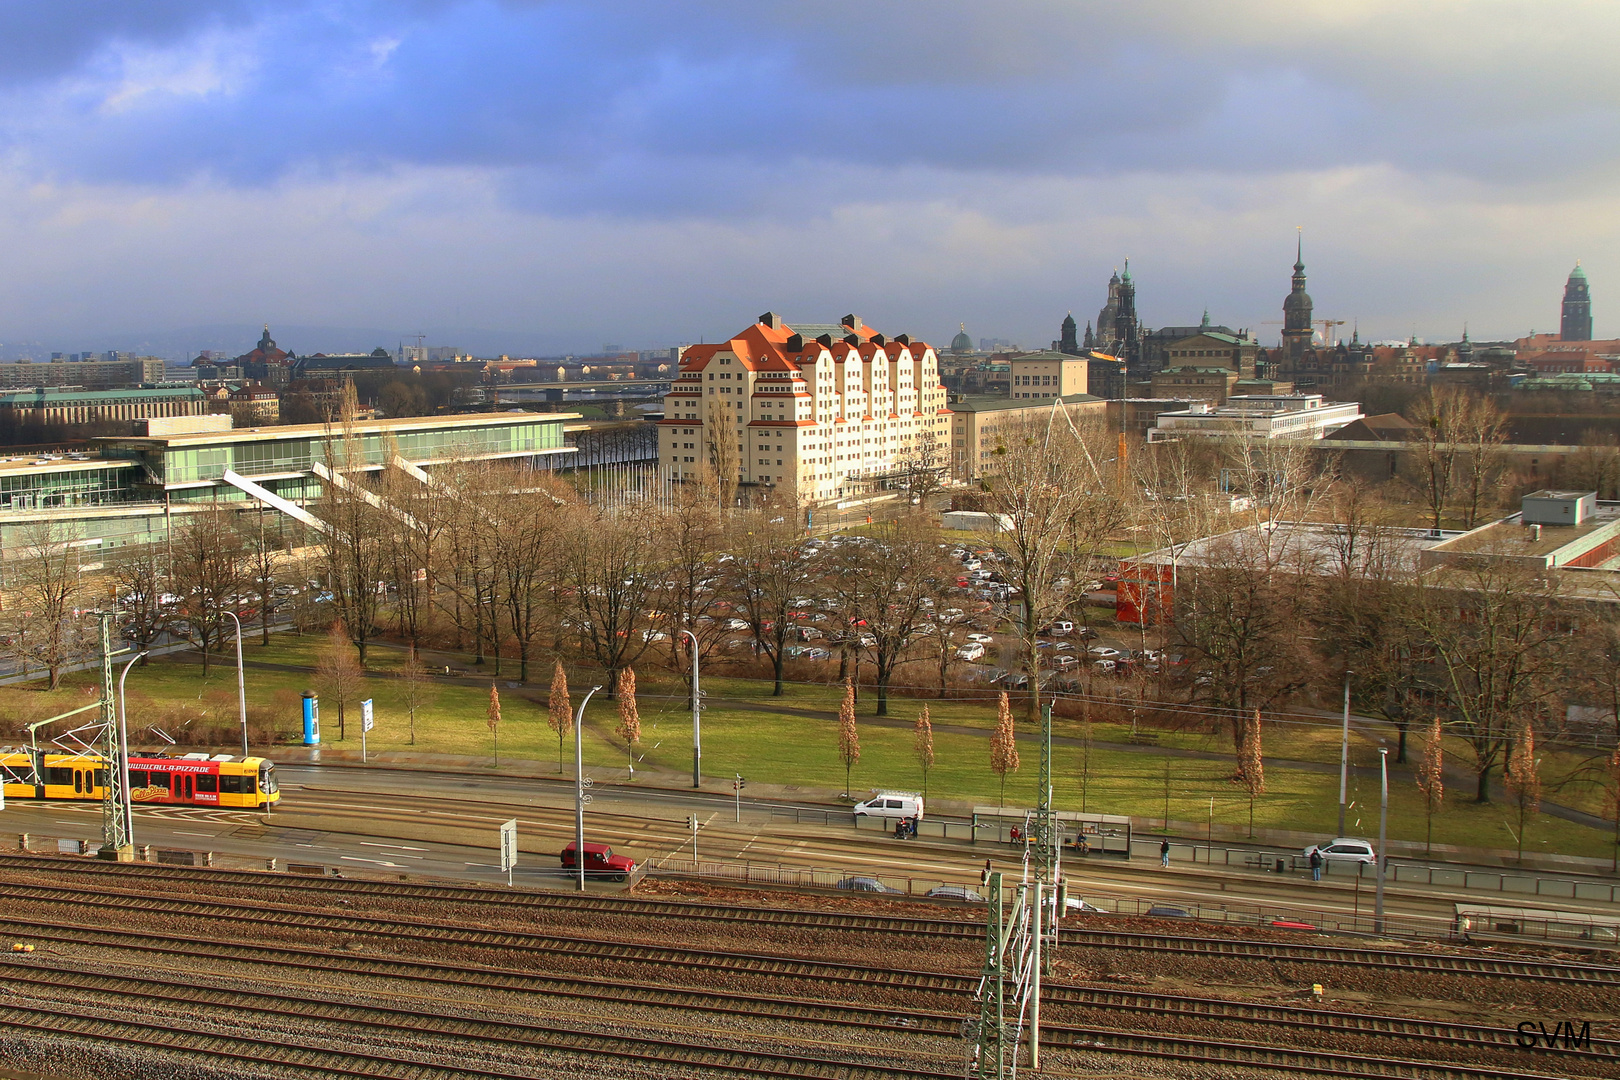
x=266 y=1012
x=299 y=962
x=411 y=1025
x=1211 y=947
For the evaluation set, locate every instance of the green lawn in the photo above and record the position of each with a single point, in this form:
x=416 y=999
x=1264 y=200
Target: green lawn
x=743 y=733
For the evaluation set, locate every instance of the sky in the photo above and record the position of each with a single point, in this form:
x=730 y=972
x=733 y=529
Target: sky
x=541 y=177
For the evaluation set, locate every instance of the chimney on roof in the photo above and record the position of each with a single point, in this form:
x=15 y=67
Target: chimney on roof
x=852 y=339
x=851 y=321
x=879 y=340
x=825 y=339
x=795 y=343
x=902 y=339
x=772 y=320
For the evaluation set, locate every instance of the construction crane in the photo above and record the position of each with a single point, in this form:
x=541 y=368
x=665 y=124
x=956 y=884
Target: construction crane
x=1327 y=326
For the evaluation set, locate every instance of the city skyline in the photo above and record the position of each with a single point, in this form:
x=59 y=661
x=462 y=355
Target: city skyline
x=550 y=177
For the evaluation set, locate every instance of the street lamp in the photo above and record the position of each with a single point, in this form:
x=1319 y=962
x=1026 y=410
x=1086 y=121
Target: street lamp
x=123 y=754
x=241 y=683
x=1383 y=828
x=697 y=734
x=1344 y=751
x=579 y=787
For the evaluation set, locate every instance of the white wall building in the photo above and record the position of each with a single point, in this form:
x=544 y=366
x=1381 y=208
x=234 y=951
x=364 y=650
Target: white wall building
x=817 y=413
x=1257 y=416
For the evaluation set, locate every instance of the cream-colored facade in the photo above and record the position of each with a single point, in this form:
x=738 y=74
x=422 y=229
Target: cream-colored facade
x=816 y=417
x=1047 y=375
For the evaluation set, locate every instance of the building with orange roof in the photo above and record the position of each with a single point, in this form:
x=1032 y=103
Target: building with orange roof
x=818 y=412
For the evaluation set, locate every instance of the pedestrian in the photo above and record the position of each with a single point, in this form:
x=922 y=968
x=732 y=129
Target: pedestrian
x=1164 y=854
x=1316 y=865
x=913 y=829
x=900 y=829
x=984 y=875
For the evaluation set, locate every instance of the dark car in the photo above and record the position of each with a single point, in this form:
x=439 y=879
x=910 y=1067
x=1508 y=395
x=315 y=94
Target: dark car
x=955 y=892
x=1164 y=911
x=868 y=884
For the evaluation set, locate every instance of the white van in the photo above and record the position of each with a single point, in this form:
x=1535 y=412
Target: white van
x=892 y=806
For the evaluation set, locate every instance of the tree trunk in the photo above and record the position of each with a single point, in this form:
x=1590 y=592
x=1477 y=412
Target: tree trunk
x=1483 y=793
x=776 y=665
x=883 y=674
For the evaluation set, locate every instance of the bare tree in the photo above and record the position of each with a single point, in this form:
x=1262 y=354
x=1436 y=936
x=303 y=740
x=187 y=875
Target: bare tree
x=1523 y=780
x=1499 y=636
x=559 y=714
x=883 y=581
x=849 y=740
x=358 y=543
x=527 y=527
x=629 y=728
x=263 y=557
x=725 y=454
x=1460 y=436
x=767 y=572
x=1431 y=779
x=139 y=575
x=923 y=465
x=1614 y=804
x=686 y=595
x=1049 y=486
x=492 y=717
x=339 y=672
x=923 y=746
x=610 y=561
x=1003 y=745
x=414 y=685
x=46 y=588
x=209 y=568
x=1251 y=771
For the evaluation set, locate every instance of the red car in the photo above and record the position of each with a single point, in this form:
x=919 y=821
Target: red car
x=600 y=862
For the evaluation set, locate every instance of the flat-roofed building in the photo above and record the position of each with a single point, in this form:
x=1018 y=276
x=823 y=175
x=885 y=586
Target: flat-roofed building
x=1047 y=375
x=104 y=374
x=979 y=423
x=1257 y=416
x=61 y=407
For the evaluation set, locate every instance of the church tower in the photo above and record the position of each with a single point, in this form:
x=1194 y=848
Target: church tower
x=1296 y=333
x=1105 y=317
x=1576 y=324
x=1125 y=324
x=1069 y=342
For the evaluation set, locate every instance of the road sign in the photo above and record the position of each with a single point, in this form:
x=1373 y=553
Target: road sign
x=365 y=715
x=509 y=847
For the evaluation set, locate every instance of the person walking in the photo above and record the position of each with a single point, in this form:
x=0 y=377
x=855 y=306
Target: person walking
x=1316 y=865
x=1164 y=854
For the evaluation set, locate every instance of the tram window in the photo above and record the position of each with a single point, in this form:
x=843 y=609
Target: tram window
x=58 y=774
x=230 y=785
x=207 y=783
x=157 y=779
x=101 y=778
x=78 y=782
x=137 y=779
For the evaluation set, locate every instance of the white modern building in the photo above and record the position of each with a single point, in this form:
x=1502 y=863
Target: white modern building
x=819 y=412
x=1257 y=416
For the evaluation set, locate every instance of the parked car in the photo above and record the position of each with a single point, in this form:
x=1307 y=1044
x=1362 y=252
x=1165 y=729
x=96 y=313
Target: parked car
x=868 y=884
x=971 y=651
x=1064 y=662
x=955 y=892
x=1104 y=667
x=891 y=806
x=1105 y=652
x=980 y=638
x=600 y=862
x=1060 y=628
x=1345 y=849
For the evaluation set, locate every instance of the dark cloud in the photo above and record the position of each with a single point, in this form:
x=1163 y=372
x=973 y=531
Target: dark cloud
x=696 y=108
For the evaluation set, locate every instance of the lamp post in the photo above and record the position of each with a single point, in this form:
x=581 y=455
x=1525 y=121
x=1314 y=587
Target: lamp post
x=241 y=683
x=123 y=753
x=579 y=787
x=1344 y=752
x=697 y=732
x=1383 y=828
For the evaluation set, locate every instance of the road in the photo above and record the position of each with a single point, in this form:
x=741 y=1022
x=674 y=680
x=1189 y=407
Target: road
x=445 y=824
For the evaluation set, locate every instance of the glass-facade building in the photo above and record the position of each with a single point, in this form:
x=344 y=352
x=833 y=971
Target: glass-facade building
x=133 y=491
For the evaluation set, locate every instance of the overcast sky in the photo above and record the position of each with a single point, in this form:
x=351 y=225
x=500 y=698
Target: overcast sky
x=542 y=177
